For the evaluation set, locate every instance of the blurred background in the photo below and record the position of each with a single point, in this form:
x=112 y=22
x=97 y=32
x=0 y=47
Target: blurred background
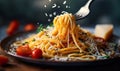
x=43 y=12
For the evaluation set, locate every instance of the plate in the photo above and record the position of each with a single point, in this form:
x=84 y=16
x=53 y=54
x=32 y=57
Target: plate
x=5 y=46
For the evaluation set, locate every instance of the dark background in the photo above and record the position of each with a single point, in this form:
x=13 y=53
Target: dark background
x=26 y=11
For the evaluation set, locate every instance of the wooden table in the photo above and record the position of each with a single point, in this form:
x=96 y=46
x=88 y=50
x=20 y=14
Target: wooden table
x=16 y=65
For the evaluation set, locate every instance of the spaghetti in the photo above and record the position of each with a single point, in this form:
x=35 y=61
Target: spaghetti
x=68 y=41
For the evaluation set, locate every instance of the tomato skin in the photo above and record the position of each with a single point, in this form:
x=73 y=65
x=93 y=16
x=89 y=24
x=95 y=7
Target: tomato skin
x=12 y=28
x=24 y=50
x=3 y=60
x=100 y=42
x=36 y=53
x=99 y=39
x=29 y=27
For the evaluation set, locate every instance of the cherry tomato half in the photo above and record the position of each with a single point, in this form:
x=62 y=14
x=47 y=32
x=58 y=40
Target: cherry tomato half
x=12 y=28
x=29 y=27
x=24 y=50
x=3 y=60
x=99 y=39
x=100 y=42
x=36 y=53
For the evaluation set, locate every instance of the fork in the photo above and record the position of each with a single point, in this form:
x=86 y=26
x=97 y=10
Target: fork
x=83 y=11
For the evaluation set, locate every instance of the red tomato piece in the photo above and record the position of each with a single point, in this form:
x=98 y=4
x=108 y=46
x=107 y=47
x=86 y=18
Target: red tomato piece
x=101 y=42
x=36 y=53
x=29 y=27
x=10 y=31
x=3 y=60
x=13 y=26
x=99 y=39
x=24 y=50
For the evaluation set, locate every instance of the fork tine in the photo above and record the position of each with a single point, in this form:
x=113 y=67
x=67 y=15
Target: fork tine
x=83 y=11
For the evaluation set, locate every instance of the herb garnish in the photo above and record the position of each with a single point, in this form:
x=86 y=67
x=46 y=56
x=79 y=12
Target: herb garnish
x=51 y=24
x=106 y=57
x=33 y=40
x=25 y=43
x=40 y=28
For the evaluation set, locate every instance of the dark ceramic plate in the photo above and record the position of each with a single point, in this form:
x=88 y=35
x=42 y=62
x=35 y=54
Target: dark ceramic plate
x=5 y=46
